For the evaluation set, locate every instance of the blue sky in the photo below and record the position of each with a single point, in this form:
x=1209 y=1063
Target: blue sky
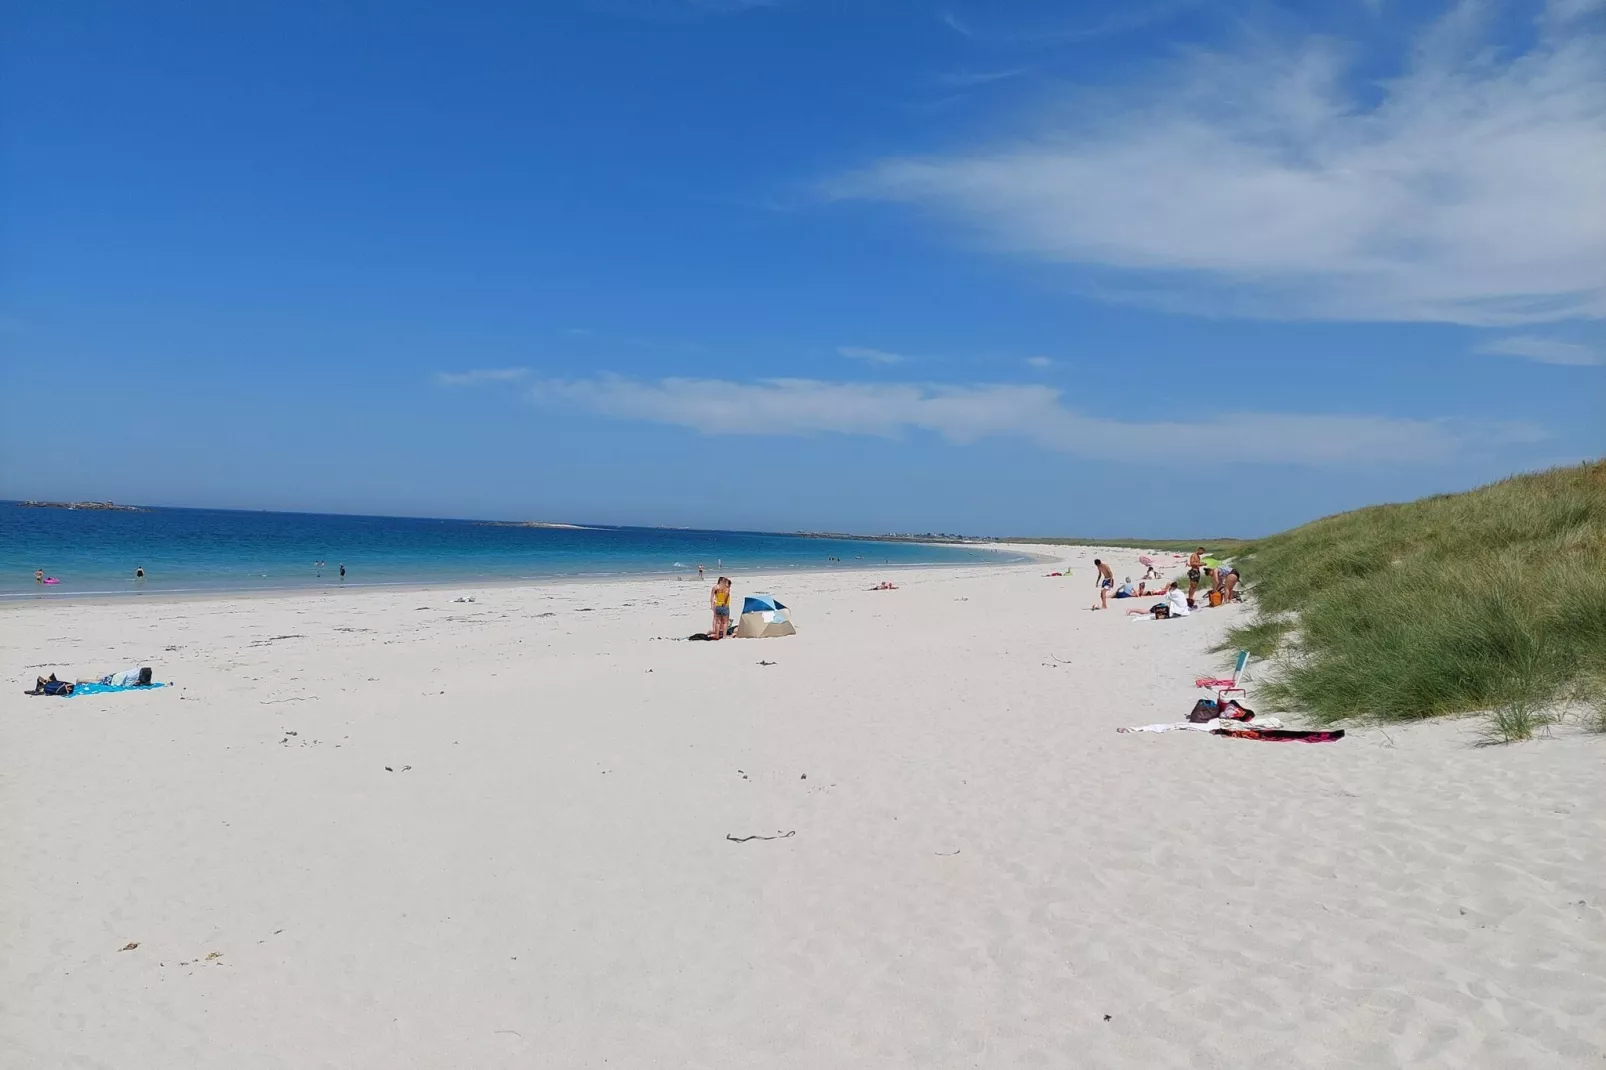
x=1153 y=268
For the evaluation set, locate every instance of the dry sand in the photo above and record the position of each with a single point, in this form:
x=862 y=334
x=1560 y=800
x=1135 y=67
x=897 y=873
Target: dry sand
x=984 y=874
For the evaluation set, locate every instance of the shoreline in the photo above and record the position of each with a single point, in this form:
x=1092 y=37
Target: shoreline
x=1033 y=554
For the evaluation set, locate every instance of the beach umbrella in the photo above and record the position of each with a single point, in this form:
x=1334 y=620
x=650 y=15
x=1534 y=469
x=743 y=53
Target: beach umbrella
x=1211 y=562
x=1145 y=559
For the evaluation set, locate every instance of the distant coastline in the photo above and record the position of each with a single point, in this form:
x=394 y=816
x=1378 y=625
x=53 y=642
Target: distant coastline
x=108 y=507
x=549 y=525
x=956 y=540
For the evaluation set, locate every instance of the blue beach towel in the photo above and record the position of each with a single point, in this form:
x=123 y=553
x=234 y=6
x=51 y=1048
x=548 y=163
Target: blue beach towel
x=107 y=689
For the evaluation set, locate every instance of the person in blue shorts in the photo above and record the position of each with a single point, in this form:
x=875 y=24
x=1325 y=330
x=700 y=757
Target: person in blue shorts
x=1106 y=583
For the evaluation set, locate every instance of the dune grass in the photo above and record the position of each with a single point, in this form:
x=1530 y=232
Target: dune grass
x=1220 y=547
x=1490 y=600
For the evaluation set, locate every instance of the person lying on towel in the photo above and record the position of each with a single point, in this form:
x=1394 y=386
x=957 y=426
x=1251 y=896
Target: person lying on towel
x=120 y=678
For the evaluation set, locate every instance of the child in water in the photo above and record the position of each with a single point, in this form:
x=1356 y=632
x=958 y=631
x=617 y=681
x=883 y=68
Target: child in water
x=720 y=601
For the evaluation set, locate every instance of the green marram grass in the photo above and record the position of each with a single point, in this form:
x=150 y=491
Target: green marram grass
x=1493 y=599
x=1219 y=547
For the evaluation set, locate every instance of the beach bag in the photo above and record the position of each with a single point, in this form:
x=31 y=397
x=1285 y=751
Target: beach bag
x=54 y=686
x=1204 y=710
x=1214 y=598
x=1161 y=611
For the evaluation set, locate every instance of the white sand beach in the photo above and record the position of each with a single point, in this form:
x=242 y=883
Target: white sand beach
x=390 y=829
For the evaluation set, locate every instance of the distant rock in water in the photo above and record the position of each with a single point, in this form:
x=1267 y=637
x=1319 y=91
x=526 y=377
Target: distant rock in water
x=112 y=507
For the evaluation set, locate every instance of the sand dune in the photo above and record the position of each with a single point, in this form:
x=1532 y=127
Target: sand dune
x=983 y=872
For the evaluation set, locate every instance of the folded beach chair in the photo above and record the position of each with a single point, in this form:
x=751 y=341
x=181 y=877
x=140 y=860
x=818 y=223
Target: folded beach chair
x=1227 y=687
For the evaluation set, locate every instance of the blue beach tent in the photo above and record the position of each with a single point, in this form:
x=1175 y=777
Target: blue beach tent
x=763 y=618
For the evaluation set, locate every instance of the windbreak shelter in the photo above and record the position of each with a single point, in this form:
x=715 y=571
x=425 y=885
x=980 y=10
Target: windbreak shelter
x=763 y=618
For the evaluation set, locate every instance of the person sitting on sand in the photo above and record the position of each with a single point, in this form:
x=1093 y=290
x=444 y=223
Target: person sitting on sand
x=720 y=601
x=1126 y=589
x=1175 y=604
x=1105 y=581
x=885 y=586
x=1150 y=573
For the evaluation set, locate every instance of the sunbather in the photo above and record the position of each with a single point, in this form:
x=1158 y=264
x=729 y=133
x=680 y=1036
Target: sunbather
x=1104 y=580
x=1175 y=604
x=720 y=602
x=124 y=678
x=1227 y=583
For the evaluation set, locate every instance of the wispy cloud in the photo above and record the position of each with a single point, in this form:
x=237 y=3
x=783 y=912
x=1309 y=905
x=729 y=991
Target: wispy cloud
x=726 y=6
x=1039 y=362
x=1037 y=414
x=972 y=79
x=1543 y=350
x=675 y=10
x=872 y=356
x=954 y=23
x=480 y=376
x=1123 y=18
x=1466 y=188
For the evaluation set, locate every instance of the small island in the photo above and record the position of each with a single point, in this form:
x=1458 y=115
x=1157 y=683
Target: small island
x=533 y=524
x=929 y=537
x=110 y=507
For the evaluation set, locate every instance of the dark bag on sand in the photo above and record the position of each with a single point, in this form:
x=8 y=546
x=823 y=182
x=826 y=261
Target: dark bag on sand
x=1161 y=611
x=1203 y=710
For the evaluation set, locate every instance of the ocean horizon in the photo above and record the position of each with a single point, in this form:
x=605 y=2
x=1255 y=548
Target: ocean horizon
x=96 y=551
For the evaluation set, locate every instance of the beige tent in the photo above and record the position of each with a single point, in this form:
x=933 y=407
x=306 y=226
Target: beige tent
x=763 y=618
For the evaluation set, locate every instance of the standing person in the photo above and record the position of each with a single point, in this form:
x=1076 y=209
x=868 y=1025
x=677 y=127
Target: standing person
x=1105 y=581
x=720 y=602
x=342 y=572
x=139 y=574
x=1195 y=563
x=39 y=575
x=700 y=577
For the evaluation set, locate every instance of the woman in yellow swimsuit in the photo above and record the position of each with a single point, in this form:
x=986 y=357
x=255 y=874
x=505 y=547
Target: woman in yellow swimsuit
x=720 y=600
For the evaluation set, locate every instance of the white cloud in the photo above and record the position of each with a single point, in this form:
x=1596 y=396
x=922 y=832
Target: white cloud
x=873 y=356
x=967 y=413
x=480 y=376
x=726 y=6
x=950 y=20
x=1467 y=188
x=1039 y=362
x=972 y=79
x=1543 y=350
x=1055 y=29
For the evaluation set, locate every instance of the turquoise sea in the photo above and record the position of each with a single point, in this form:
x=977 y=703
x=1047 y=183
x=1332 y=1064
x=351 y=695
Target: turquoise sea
x=96 y=552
